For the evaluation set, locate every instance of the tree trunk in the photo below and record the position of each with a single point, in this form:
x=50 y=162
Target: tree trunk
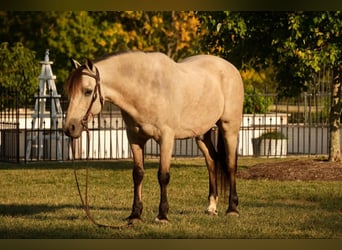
x=335 y=116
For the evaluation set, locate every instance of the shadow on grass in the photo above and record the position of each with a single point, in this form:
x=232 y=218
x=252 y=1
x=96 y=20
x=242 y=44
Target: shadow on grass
x=18 y=210
x=115 y=164
x=43 y=221
x=112 y=164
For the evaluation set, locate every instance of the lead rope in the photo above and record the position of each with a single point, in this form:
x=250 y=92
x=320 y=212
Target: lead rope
x=84 y=123
x=85 y=202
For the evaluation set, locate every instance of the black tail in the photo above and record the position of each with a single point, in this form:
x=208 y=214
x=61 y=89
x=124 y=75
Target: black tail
x=222 y=172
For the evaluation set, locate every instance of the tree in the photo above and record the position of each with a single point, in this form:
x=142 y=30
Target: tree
x=183 y=34
x=82 y=34
x=313 y=42
x=69 y=35
x=225 y=32
x=335 y=114
x=173 y=32
x=297 y=44
x=39 y=31
x=19 y=70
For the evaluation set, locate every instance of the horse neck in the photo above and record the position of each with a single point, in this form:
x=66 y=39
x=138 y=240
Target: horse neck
x=123 y=78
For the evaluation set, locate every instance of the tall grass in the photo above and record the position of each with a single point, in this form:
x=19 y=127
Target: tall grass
x=40 y=200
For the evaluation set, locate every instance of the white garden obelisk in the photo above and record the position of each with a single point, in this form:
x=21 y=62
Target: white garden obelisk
x=46 y=119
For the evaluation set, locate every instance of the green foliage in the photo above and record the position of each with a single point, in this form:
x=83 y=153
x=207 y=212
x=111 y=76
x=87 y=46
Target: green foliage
x=70 y=35
x=225 y=31
x=312 y=41
x=255 y=102
x=81 y=34
x=171 y=32
x=300 y=44
x=19 y=70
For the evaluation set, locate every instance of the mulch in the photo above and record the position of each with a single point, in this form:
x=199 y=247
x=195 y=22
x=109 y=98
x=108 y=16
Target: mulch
x=294 y=170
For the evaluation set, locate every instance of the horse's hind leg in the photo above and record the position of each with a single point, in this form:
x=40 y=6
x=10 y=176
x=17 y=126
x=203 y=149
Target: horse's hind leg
x=206 y=146
x=230 y=132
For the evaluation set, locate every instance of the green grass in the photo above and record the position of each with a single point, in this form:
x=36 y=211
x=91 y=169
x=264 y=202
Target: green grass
x=40 y=200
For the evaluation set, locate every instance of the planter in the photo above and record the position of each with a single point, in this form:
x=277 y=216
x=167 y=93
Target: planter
x=272 y=144
x=269 y=147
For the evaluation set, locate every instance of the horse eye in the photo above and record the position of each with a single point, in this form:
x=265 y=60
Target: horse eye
x=88 y=92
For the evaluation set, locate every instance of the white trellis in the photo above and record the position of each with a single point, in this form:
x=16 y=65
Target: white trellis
x=46 y=119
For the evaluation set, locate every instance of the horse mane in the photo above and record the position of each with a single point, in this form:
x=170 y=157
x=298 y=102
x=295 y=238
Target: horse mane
x=72 y=85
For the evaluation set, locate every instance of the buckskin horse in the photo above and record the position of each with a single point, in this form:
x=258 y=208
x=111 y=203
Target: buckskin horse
x=165 y=100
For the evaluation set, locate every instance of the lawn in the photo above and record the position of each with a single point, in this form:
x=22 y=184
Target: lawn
x=40 y=200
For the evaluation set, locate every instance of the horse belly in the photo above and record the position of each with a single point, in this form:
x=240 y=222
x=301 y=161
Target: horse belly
x=195 y=128
x=201 y=119
x=201 y=108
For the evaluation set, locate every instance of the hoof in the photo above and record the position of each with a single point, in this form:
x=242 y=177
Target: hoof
x=161 y=221
x=134 y=221
x=233 y=213
x=211 y=212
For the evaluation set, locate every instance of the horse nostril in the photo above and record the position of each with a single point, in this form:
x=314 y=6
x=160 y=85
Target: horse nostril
x=69 y=129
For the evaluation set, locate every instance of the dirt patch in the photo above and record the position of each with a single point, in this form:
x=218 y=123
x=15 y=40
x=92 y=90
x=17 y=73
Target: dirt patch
x=294 y=170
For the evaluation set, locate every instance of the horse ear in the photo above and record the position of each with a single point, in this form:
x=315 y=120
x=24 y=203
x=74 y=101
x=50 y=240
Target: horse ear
x=89 y=64
x=75 y=63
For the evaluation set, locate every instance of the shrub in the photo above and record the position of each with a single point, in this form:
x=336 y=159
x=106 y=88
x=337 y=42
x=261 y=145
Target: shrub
x=255 y=102
x=273 y=135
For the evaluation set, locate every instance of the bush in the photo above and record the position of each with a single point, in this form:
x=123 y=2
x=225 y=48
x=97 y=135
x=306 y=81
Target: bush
x=19 y=70
x=273 y=135
x=255 y=102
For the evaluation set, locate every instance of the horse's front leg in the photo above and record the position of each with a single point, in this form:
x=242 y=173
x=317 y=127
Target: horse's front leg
x=138 y=175
x=166 y=146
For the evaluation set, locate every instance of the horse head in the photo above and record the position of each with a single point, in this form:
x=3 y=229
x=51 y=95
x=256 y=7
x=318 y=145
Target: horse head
x=85 y=98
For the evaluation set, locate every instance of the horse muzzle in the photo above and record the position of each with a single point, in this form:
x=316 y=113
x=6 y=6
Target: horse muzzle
x=73 y=129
